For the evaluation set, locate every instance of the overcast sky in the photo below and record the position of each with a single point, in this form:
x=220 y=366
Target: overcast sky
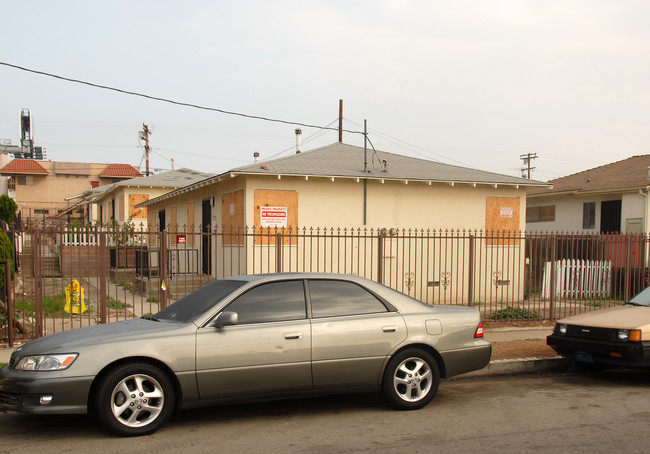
x=471 y=83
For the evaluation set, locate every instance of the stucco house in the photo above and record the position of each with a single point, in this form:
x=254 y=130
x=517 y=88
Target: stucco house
x=338 y=187
x=116 y=202
x=40 y=188
x=612 y=198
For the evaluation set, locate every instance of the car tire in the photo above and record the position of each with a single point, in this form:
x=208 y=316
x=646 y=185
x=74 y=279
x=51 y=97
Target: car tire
x=134 y=399
x=411 y=380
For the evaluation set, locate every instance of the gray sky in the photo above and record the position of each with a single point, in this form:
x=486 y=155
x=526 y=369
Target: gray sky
x=473 y=83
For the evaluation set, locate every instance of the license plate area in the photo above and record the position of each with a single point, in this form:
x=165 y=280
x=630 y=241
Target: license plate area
x=584 y=357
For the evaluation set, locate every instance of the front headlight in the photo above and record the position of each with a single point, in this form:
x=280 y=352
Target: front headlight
x=46 y=362
x=624 y=335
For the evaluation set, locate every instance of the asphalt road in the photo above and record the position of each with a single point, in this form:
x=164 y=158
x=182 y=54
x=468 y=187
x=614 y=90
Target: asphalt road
x=568 y=412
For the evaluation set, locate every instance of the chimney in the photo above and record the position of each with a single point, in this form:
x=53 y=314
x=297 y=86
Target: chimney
x=173 y=164
x=256 y=155
x=298 y=136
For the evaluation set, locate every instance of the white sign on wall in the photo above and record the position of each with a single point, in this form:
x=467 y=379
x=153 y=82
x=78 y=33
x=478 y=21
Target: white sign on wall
x=506 y=212
x=273 y=216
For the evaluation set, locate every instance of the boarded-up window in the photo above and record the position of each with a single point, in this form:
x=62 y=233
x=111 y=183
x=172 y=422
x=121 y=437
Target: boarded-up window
x=284 y=217
x=232 y=217
x=502 y=220
x=134 y=199
x=120 y=208
x=189 y=224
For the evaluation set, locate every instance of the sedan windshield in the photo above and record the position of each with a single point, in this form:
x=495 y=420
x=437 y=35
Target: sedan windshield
x=196 y=303
x=642 y=299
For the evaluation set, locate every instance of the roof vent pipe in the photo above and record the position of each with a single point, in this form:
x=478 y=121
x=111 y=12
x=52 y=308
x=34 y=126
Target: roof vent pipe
x=298 y=136
x=256 y=155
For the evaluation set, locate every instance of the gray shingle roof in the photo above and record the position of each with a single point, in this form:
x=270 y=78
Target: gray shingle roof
x=173 y=179
x=347 y=161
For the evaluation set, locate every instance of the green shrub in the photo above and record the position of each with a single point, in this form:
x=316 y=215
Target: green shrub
x=6 y=253
x=513 y=313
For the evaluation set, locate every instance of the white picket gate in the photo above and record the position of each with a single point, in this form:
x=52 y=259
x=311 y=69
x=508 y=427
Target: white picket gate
x=578 y=278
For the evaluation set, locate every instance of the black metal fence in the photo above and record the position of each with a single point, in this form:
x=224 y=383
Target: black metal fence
x=65 y=278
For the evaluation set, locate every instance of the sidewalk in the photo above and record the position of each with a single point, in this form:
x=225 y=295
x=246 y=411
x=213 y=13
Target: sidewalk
x=514 y=364
x=518 y=364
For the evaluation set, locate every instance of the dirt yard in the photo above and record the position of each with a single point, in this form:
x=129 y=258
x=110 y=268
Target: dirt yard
x=534 y=348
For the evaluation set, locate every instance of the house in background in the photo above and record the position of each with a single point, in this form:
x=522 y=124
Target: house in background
x=117 y=201
x=608 y=199
x=40 y=188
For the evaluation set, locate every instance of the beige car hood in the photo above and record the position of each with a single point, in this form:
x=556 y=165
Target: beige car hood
x=622 y=317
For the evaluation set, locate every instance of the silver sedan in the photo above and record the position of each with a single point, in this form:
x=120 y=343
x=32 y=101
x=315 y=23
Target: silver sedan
x=248 y=338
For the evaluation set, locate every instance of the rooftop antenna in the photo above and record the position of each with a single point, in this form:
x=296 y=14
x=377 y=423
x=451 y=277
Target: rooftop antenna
x=340 y=121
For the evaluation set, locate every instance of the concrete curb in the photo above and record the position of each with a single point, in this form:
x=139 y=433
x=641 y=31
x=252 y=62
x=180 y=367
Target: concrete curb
x=520 y=366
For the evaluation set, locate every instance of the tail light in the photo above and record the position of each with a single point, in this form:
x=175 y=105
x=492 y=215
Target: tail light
x=479 y=331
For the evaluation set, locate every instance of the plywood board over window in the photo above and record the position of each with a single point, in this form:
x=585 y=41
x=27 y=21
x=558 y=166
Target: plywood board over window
x=286 y=202
x=139 y=213
x=502 y=220
x=120 y=208
x=232 y=217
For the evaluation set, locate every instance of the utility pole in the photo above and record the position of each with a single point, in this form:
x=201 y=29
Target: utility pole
x=527 y=158
x=144 y=134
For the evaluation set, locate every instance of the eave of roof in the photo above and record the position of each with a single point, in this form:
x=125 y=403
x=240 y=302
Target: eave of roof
x=23 y=167
x=410 y=171
x=579 y=192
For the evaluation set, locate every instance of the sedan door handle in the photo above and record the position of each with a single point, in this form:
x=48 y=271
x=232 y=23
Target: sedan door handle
x=290 y=336
x=389 y=329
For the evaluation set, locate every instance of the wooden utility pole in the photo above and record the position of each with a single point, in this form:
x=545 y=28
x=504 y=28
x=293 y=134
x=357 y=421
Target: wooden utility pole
x=145 y=135
x=527 y=158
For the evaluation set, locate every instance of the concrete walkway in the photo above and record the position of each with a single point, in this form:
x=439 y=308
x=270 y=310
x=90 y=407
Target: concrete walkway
x=496 y=367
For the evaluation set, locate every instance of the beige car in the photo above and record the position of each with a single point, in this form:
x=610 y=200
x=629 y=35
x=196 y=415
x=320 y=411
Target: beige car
x=248 y=338
x=617 y=336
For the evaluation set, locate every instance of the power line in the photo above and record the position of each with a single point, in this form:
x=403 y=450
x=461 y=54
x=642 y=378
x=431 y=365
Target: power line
x=170 y=101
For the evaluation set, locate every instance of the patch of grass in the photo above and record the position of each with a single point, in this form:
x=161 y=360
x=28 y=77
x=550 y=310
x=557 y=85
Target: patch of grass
x=116 y=304
x=593 y=303
x=52 y=305
x=126 y=286
x=513 y=313
x=4 y=319
x=151 y=299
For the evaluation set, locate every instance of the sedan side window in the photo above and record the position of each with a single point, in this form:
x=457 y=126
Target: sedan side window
x=334 y=298
x=274 y=302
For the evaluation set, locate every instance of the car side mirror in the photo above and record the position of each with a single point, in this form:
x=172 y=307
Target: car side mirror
x=225 y=319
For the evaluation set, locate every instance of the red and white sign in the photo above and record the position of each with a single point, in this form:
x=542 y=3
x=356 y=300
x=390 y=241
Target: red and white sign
x=506 y=212
x=181 y=239
x=273 y=216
